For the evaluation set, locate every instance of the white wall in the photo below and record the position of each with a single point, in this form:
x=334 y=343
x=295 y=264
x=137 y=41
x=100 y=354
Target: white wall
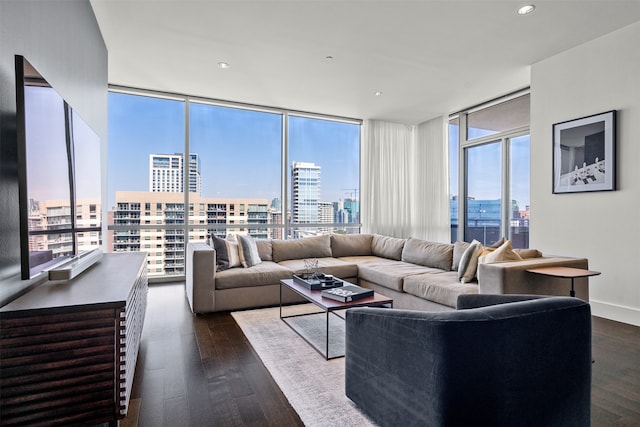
x=595 y=77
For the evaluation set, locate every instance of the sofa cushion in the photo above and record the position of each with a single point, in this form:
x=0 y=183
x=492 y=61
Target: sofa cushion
x=390 y=273
x=387 y=247
x=351 y=244
x=248 y=251
x=429 y=254
x=333 y=266
x=310 y=247
x=442 y=288
x=264 y=249
x=263 y=274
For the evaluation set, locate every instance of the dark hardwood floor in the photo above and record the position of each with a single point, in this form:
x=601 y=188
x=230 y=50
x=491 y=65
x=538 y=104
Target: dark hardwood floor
x=222 y=382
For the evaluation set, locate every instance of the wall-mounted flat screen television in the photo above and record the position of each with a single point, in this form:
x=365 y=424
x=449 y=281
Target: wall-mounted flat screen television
x=59 y=176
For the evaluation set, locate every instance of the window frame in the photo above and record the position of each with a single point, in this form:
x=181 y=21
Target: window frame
x=504 y=138
x=190 y=227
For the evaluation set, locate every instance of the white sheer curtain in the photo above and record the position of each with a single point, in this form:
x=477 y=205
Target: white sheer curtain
x=405 y=180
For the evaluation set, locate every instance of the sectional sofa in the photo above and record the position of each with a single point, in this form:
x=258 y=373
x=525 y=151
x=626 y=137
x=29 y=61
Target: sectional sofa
x=416 y=273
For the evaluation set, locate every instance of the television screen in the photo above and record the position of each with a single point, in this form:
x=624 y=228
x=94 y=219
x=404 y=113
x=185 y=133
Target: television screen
x=87 y=180
x=59 y=176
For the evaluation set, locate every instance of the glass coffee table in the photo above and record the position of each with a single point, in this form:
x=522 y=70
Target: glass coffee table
x=328 y=307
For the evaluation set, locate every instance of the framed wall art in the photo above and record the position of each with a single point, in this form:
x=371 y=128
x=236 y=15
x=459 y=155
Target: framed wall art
x=584 y=154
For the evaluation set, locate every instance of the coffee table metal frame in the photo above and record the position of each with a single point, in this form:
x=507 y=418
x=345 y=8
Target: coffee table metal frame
x=328 y=306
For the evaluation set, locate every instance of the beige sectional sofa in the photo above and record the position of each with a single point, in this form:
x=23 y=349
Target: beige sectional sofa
x=416 y=273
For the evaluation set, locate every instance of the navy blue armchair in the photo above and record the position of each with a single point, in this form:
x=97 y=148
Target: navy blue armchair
x=498 y=360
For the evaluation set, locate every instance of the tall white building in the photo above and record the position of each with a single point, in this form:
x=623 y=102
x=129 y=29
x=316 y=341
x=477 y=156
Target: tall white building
x=166 y=173
x=305 y=193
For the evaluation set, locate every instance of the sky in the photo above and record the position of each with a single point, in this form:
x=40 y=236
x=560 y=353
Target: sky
x=239 y=150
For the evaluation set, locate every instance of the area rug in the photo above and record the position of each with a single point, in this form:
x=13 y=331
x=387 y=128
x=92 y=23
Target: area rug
x=313 y=385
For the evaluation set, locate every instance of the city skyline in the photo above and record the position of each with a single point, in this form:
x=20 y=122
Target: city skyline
x=240 y=150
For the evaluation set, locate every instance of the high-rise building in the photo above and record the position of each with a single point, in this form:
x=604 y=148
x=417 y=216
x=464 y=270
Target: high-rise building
x=54 y=215
x=352 y=206
x=305 y=193
x=165 y=245
x=166 y=173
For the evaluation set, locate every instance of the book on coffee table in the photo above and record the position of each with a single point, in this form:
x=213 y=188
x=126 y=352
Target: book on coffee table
x=347 y=293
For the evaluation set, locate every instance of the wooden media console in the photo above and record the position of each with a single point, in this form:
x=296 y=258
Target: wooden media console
x=68 y=350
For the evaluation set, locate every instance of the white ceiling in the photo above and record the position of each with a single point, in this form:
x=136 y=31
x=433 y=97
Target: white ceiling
x=427 y=57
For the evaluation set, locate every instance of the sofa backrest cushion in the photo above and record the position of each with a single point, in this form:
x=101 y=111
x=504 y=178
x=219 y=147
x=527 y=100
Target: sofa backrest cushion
x=264 y=249
x=310 y=247
x=429 y=254
x=351 y=244
x=387 y=247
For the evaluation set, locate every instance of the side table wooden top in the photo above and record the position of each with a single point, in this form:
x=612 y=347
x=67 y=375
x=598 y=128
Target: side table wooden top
x=566 y=272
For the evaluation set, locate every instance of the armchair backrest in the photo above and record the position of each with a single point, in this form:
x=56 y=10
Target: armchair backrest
x=525 y=362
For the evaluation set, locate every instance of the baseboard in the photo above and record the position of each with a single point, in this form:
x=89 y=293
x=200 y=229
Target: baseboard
x=619 y=313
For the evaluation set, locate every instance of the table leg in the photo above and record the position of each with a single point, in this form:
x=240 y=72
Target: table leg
x=327 y=347
x=572 y=292
x=281 y=300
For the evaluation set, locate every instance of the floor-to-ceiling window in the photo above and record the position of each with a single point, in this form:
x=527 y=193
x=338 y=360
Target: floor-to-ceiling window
x=183 y=168
x=146 y=202
x=240 y=154
x=454 y=174
x=324 y=170
x=489 y=159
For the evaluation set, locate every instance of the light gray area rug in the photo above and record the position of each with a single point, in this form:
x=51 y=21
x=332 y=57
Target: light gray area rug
x=313 y=385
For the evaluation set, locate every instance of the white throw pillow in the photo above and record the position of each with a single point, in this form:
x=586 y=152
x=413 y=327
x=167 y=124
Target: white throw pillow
x=503 y=253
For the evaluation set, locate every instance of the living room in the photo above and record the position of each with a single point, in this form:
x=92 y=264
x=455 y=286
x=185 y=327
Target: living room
x=590 y=76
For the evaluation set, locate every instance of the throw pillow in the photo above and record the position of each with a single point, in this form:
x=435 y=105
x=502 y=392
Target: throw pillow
x=528 y=253
x=248 y=251
x=458 y=249
x=226 y=253
x=503 y=253
x=497 y=244
x=469 y=262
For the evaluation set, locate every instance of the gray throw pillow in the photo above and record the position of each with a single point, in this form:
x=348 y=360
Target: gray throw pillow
x=458 y=249
x=469 y=262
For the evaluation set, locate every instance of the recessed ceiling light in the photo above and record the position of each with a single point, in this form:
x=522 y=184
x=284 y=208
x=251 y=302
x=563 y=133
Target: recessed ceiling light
x=377 y=93
x=223 y=65
x=526 y=9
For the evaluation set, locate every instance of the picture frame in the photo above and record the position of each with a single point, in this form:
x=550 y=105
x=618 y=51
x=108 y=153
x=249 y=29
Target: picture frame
x=584 y=154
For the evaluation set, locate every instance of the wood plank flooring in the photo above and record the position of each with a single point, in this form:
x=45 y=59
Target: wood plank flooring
x=222 y=382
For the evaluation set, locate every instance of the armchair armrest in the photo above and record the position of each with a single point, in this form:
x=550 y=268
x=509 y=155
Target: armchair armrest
x=484 y=366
